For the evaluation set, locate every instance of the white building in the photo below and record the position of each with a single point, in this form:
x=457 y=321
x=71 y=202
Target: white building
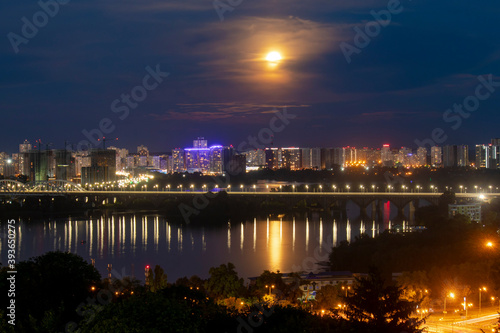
x=473 y=211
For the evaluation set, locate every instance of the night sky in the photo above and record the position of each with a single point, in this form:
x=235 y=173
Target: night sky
x=65 y=78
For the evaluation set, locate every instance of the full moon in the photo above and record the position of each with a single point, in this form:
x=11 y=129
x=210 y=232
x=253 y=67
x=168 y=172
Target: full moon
x=273 y=56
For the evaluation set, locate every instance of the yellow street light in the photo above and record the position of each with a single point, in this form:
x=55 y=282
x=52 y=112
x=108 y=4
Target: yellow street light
x=450 y=295
x=270 y=287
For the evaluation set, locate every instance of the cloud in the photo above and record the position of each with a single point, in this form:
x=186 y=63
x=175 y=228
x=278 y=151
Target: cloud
x=221 y=111
x=387 y=114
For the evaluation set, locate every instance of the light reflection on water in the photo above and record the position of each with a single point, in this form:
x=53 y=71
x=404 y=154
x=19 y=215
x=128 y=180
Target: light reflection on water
x=128 y=241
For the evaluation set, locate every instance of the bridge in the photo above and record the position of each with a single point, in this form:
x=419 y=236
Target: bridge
x=327 y=201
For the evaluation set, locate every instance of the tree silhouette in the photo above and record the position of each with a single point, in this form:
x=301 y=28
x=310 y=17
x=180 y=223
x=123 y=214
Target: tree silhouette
x=157 y=280
x=224 y=282
x=374 y=306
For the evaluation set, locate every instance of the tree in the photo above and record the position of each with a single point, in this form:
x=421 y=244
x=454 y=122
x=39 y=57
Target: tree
x=171 y=309
x=327 y=297
x=49 y=289
x=269 y=281
x=224 y=282
x=157 y=280
x=375 y=307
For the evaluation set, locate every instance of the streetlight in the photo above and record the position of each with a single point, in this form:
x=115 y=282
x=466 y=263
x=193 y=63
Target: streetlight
x=229 y=188
x=192 y=187
x=347 y=187
x=373 y=188
x=450 y=295
x=180 y=187
x=204 y=186
x=307 y=188
x=293 y=188
x=241 y=188
x=461 y=189
x=270 y=287
x=480 y=290
x=254 y=188
x=346 y=289
x=321 y=188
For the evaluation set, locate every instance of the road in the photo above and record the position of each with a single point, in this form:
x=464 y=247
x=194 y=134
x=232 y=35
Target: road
x=436 y=323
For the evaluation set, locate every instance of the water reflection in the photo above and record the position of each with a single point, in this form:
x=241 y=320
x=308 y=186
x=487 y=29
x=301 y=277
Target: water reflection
x=275 y=247
x=123 y=240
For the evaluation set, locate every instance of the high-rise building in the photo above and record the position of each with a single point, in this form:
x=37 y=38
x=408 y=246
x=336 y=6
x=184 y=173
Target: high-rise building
x=291 y=158
x=362 y=155
x=65 y=165
x=421 y=157
x=487 y=156
x=16 y=158
x=273 y=158
x=338 y=156
x=386 y=155
x=142 y=150
x=216 y=159
x=237 y=164
x=495 y=142
x=463 y=155
x=38 y=165
x=311 y=158
x=132 y=161
x=25 y=147
x=227 y=154
x=327 y=158
x=350 y=155
x=255 y=158
x=455 y=156
x=121 y=158
x=370 y=156
x=102 y=167
x=404 y=156
x=82 y=160
x=4 y=160
x=197 y=159
x=178 y=160
x=200 y=142
x=449 y=156
x=436 y=156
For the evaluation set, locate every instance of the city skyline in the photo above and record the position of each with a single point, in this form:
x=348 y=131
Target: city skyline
x=114 y=142
x=99 y=165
